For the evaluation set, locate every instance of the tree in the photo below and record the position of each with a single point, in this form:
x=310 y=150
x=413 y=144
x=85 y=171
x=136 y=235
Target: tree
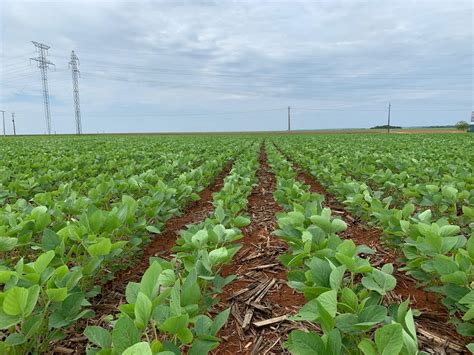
x=462 y=125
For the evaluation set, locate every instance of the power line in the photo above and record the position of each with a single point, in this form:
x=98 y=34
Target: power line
x=176 y=114
x=43 y=65
x=164 y=70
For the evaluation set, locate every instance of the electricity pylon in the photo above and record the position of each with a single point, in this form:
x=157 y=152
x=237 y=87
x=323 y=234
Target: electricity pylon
x=43 y=65
x=75 y=90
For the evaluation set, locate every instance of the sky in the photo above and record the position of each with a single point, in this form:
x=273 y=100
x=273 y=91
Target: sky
x=184 y=66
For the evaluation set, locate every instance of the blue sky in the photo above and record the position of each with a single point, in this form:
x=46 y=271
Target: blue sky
x=161 y=66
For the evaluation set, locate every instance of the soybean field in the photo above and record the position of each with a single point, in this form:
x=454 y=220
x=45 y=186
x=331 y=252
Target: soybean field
x=237 y=244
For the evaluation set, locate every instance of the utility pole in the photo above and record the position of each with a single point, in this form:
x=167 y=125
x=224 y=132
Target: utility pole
x=13 y=121
x=43 y=65
x=289 y=119
x=388 y=125
x=75 y=90
x=3 y=116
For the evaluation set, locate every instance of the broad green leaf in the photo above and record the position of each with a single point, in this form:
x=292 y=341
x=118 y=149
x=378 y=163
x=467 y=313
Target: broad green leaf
x=142 y=348
x=57 y=294
x=101 y=248
x=303 y=343
x=389 y=339
x=43 y=261
x=149 y=283
x=99 y=336
x=7 y=243
x=15 y=301
x=143 y=308
x=124 y=334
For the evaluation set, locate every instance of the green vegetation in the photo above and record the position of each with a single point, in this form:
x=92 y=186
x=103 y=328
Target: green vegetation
x=420 y=190
x=462 y=126
x=345 y=293
x=75 y=211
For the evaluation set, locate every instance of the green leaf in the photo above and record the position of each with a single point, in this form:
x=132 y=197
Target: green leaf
x=191 y=292
x=149 y=283
x=218 y=256
x=449 y=230
x=142 y=348
x=379 y=281
x=7 y=243
x=33 y=294
x=334 y=342
x=6 y=321
x=202 y=346
x=367 y=347
x=338 y=225
x=303 y=343
x=185 y=335
x=124 y=334
x=131 y=292
x=57 y=294
x=328 y=300
x=219 y=321
x=175 y=299
x=153 y=229
x=174 y=325
x=143 y=308
x=336 y=277
x=389 y=339
x=15 y=339
x=167 y=278
x=15 y=301
x=43 y=261
x=241 y=221
x=101 y=248
x=50 y=240
x=99 y=336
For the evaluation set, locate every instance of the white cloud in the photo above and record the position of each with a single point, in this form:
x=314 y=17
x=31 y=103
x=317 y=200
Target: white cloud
x=149 y=59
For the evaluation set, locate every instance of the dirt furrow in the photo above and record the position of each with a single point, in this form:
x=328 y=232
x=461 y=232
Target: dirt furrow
x=113 y=292
x=435 y=334
x=260 y=292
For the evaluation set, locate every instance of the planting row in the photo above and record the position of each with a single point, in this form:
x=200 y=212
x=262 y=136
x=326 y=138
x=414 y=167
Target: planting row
x=345 y=293
x=435 y=234
x=33 y=165
x=55 y=256
x=166 y=312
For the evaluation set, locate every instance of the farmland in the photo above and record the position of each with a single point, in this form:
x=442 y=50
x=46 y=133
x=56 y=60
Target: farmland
x=143 y=244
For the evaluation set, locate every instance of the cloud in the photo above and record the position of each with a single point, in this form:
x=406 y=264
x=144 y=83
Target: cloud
x=149 y=66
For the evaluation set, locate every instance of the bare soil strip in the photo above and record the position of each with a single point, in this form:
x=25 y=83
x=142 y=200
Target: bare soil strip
x=113 y=292
x=260 y=298
x=434 y=333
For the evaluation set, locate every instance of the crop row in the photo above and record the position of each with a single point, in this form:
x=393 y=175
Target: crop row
x=56 y=254
x=166 y=312
x=345 y=293
x=424 y=206
x=95 y=167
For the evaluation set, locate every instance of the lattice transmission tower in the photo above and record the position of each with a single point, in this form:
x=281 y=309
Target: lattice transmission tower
x=43 y=65
x=75 y=90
